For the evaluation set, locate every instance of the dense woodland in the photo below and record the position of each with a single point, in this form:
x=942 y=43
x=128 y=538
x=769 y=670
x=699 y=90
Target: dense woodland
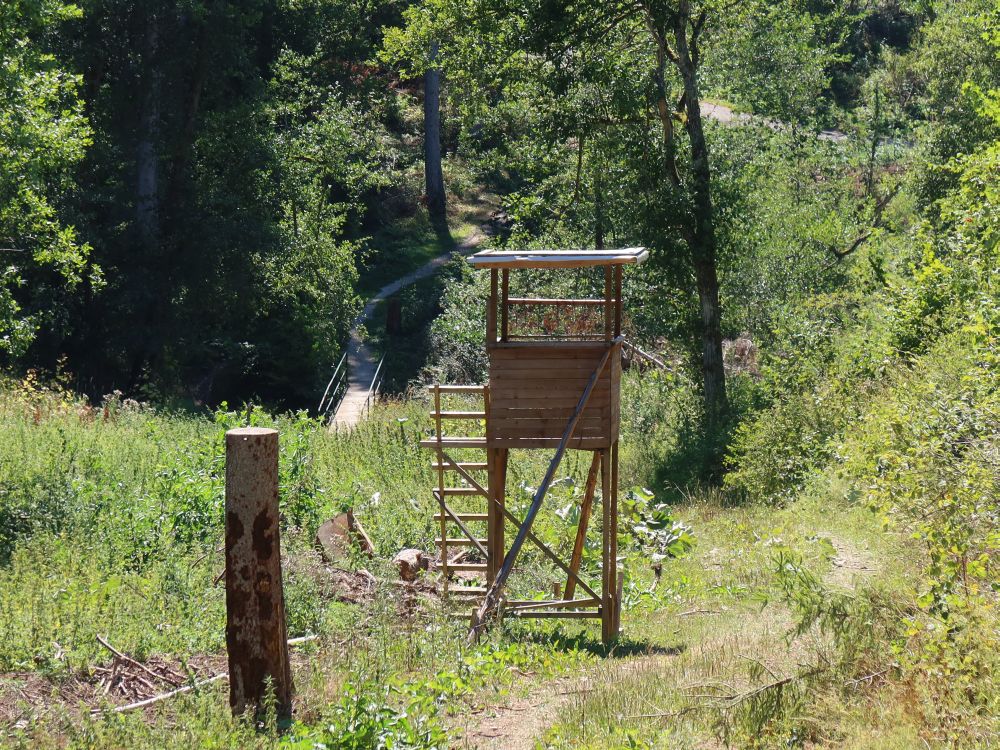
x=196 y=197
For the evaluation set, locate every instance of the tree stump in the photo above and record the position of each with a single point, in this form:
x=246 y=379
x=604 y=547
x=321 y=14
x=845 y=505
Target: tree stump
x=256 y=634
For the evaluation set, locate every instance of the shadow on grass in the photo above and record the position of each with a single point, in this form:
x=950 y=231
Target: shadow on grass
x=445 y=239
x=559 y=640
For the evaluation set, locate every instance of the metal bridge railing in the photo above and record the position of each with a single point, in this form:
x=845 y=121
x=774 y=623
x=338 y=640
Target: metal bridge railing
x=335 y=389
x=373 y=389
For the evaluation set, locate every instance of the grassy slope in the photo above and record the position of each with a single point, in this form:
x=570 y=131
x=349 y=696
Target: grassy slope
x=125 y=544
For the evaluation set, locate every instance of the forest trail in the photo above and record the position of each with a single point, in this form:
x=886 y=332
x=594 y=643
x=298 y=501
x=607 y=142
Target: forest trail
x=726 y=115
x=362 y=361
x=521 y=722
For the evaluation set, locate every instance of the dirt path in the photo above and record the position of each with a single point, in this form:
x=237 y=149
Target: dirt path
x=520 y=723
x=724 y=114
x=362 y=361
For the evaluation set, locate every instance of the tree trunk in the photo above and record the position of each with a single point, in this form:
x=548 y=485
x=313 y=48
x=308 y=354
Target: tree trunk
x=433 y=177
x=185 y=145
x=599 y=213
x=701 y=236
x=147 y=207
x=147 y=193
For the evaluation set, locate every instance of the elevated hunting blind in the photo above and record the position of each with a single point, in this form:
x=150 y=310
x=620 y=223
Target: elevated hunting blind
x=554 y=384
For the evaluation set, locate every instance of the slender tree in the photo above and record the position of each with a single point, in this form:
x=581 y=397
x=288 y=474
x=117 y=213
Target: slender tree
x=676 y=32
x=611 y=73
x=433 y=176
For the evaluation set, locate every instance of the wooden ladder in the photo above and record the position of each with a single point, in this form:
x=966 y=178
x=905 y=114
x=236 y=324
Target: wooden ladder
x=457 y=478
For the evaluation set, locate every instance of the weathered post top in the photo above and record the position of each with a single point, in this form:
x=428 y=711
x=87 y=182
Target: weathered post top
x=239 y=433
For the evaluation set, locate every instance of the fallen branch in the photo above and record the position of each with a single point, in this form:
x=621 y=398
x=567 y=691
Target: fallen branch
x=170 y=694
x=162 y=696
x=699 y=612
x=662 y=714
x=727 y=702
x=867 y=679
x=129 y=660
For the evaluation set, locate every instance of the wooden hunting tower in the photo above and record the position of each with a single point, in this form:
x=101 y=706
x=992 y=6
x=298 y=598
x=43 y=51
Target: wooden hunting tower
x=554 y=384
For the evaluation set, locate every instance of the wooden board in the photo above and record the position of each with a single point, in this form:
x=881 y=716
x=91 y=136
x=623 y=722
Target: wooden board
x=554 y=353
x=507 y=386
x=534 y=392
x=577 y=443
x=548 y=343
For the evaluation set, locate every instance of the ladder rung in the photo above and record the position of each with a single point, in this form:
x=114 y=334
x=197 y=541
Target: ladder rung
x=467 y=466
x=455 y=442
x=461 y=491
x=460 y=542
x=463 y=516
x=459 y=414
x=469 y=567
x=467 y=590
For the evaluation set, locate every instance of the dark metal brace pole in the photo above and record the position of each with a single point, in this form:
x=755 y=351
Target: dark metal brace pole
x=492 y=599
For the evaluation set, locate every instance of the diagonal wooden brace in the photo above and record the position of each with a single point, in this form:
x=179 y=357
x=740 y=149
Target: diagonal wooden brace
x=570 y=573
x=458 y=522
x=581 y=531
x=491 y=602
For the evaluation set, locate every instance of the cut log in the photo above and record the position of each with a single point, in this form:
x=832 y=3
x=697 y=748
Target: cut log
x=338 y=536
x=410 y=562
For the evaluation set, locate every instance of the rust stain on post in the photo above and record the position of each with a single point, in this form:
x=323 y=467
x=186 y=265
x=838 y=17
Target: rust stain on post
x=256 y=634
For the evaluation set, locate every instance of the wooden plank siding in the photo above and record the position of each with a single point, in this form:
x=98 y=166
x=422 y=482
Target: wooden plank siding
x=534 y=391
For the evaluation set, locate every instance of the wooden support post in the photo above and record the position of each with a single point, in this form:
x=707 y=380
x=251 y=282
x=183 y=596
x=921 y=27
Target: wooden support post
x=256 y=634
x=504 y=304
x=581 y=530
x=440 y=471
x=491 y=515
x=491 y=310
x=608 y=304
x=617 y=579
x=608 y=564
x=495 y=512
x=618 y=300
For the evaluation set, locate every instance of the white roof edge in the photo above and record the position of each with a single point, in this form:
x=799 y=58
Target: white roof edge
x=559 y=258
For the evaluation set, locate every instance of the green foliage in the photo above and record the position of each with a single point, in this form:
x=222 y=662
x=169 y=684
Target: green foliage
x=959 y=46
x=407 y=714
x=926 y=458
x=657 y=531
x=43 y=132
x=898 y=400
x=458 y=335
x=229 y=202
x=770 y=57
